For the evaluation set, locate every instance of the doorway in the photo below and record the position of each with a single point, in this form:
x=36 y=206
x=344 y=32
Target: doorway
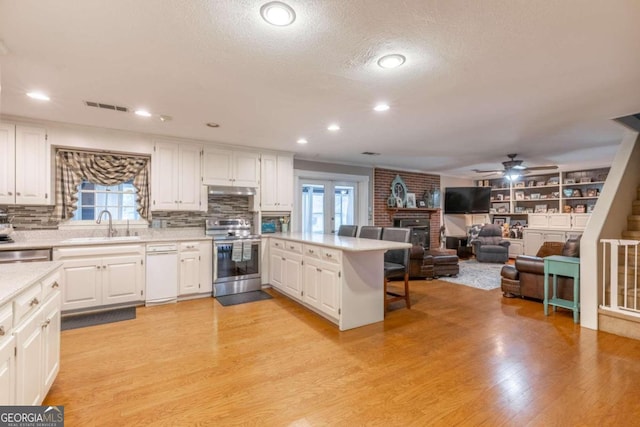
x=326 y=205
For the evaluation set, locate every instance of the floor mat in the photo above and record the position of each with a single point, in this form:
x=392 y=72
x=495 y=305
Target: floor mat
x=92 y=319
x=243 y=298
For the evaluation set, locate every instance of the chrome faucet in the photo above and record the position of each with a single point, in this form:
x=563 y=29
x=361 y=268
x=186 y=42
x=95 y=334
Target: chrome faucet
x=110 y=231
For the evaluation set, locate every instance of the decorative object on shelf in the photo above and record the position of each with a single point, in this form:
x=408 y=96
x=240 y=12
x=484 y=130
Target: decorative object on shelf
x=592 y=192
x=568 y=192
x=284 y=224
x=528 y=210
x=399 y=202
x=553 y=181
x=552 y=210
x=531 y=183
x=541 y=208
x=590 y=208
x=411 y=200
x=518 y=209
x=569 y=181
x=576 y=193
x=435 y=196
x=500 y=220
x=426 y=197
x=602 y=177
x=580 y=209
x=555 y=194
x=499 y=197
x=399 y=191
x=540 y=183
x=391 y=201
x=543 y=196
x=585 y=179
x=519 y=184
x=501 y=207
x=519 y=195
x=422 y=204
x=566 y=209
x=535 y=196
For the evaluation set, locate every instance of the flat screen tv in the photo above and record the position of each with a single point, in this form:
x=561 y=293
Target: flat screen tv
x=467 y=200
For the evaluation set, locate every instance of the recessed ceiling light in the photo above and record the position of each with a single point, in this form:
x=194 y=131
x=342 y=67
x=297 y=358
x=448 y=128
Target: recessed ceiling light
x=381 y=107
x=39 y=96
x=391 y=61
x=278 y=13
x=333 y=127
x=302 y=141
x=142 y=113
x=213 y=125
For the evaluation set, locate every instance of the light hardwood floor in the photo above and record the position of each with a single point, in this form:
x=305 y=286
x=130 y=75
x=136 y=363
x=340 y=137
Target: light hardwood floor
x=460 y=356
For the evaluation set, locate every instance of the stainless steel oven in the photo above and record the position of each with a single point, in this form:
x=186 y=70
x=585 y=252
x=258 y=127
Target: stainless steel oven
x=236 y=257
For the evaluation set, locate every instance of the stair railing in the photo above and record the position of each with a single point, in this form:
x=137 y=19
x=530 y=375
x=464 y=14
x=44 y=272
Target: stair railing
x=610 y=264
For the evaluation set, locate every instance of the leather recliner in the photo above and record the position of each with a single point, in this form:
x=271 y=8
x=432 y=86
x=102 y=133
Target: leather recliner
x=526 y=277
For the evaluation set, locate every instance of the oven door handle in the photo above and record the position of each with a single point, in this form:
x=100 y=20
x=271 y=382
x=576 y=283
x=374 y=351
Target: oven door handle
x=215 y=263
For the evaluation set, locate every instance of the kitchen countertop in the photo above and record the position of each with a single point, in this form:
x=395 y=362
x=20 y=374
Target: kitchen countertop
x=352 y=244
x=47 y=239
x=14 y=278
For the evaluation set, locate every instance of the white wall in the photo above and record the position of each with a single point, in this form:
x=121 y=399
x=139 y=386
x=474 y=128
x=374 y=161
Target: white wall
x=608 y=221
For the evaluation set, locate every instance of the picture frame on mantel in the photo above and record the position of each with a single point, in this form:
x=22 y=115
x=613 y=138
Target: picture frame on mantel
x=411 y=200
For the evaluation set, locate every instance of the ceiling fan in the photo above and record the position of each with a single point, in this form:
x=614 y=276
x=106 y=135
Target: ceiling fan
x=513 y=168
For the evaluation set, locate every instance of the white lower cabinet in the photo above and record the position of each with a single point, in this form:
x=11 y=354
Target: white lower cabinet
x=189 y=268
x=101 y=275
x=321 y=282
x=285 y=267
x=516 y=247
x=30 y=355
x=533 y=239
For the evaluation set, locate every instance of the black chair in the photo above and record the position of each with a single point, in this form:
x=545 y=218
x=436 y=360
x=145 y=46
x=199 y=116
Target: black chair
x=370 y=232
x=348 y=230
x=396 y=264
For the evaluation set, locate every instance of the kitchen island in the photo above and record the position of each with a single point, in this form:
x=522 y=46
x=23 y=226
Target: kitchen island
x=340 y=278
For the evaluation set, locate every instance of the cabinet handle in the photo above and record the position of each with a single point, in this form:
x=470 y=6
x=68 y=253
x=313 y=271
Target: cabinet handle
x=17 y=193
x=10 y=193
x=328 y=255
x=284 y=259
x=181 y=260
x=98 y=267
x=175 y=201
x=292 y=247
x=2 y=332
x=34 y=302
x=55 y=285
x=319 y=270
x=190 y=246
x=310 y=251
x=46 y=323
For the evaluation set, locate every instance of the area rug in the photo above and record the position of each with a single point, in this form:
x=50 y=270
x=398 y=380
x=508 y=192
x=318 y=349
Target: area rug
x=91 y=319
x=480 y=275
x=243 y=298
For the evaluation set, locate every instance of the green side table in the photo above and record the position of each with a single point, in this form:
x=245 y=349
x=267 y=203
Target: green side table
x=557 y=265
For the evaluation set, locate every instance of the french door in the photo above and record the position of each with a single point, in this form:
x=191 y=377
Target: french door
x=326 y=205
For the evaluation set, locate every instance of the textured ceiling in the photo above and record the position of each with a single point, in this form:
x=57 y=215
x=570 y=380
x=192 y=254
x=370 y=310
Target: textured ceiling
x=482 y=78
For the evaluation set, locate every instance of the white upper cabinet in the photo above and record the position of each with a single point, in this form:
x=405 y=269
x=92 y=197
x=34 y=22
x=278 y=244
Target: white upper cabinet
x=25 y=155
x=175 y=177
x=276 y=182
x=231 y=168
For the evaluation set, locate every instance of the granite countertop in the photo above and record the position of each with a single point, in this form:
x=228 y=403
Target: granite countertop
x=47 y=239
x=14 y=278
x=352 y=244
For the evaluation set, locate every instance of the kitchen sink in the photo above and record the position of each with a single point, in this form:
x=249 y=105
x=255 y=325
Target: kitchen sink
x=102 y=239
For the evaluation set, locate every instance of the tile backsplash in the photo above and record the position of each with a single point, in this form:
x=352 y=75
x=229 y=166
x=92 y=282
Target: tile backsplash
x=220 y=206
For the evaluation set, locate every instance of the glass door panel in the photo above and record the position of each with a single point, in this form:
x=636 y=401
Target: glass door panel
x=313 y=207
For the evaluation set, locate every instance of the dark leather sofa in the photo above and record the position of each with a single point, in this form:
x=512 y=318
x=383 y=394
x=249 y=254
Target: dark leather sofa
x=526 y=277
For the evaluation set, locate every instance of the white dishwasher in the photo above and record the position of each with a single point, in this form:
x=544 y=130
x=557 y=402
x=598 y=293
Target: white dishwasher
x=162 y=273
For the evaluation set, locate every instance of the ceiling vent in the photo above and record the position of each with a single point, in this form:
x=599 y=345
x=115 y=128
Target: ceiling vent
x=106 y=106
x=370 y=153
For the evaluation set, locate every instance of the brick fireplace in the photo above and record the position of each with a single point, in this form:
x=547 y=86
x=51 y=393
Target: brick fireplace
x=416 y=183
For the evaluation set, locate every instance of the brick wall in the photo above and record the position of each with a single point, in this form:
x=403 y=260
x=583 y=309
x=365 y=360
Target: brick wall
x=416 y=183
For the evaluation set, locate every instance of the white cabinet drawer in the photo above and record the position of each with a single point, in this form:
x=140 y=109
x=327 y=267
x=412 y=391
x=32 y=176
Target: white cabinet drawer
x=189 y=246
x=312 y=251
x=294 y=247
x=6 y=320
x=331 y=255
x=27 y=303
x=275 y=243
x=50 y=284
